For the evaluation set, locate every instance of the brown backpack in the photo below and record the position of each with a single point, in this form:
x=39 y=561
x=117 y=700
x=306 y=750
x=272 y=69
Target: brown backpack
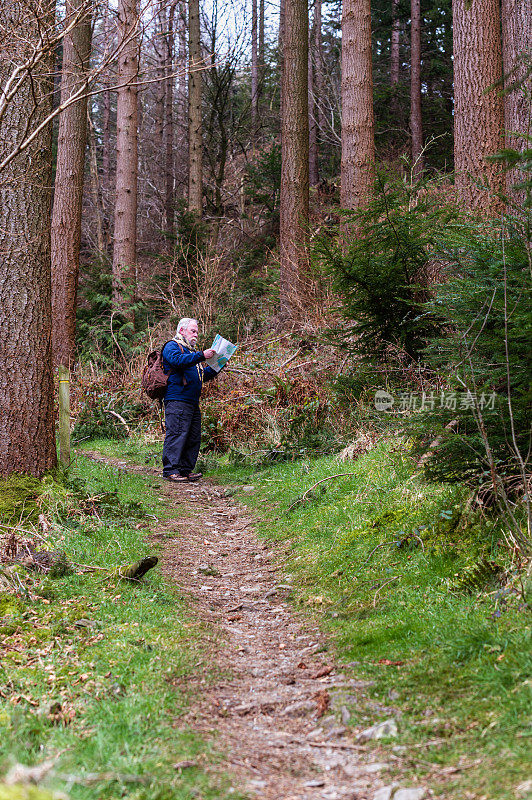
x=154 y=379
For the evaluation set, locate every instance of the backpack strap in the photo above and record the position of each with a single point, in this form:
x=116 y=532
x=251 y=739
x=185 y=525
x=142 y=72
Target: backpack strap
x=172 y=370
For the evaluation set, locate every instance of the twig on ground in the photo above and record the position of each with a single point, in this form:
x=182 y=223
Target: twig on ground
x=291 y=358
x=396 y=578
x=328 y=478
x=376 y=548
x=89 y=567
x=96 y=777
x=119 y=418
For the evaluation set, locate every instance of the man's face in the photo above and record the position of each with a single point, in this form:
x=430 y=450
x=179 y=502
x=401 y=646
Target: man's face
x=191 y=333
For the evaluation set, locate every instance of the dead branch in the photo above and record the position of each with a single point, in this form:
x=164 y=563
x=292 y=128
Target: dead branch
x=329 y=478
x=396 y=578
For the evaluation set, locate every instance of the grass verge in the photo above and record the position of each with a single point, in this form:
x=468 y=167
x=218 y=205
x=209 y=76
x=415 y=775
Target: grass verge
x=410 y=587
x=93 y=670
x=419 y=597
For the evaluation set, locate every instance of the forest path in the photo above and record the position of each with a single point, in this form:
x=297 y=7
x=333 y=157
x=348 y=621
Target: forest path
x=273 y=717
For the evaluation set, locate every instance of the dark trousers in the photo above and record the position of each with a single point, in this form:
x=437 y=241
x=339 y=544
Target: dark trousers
x=183 y=437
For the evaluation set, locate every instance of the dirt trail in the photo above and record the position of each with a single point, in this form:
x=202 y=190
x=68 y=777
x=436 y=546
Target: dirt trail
x=276 y=720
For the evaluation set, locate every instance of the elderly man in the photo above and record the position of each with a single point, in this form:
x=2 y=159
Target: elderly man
x=186 y=373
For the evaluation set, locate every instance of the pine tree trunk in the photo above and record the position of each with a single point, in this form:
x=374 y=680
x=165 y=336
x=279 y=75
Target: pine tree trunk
x=68 y=189
x=160 y=112
x=95 y=190
x=169 y=124
x=478 y=114
x=27 y=443
x=254 y=70
x=319 y=78
x=517 y=44
x=358 y=135
x=416 y=122
x=106 y=125
x=394 y=45
x=312 y=123
x=262 y=53
x=195 y=144
x=294 y=211
x=125 y=221
x=182 y=100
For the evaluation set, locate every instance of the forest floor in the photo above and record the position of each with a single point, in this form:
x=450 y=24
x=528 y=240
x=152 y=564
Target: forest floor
x=276 y=710
x=306 y=636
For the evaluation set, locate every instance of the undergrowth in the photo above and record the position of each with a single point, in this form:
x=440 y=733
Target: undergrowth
x=82 y=657
x=391 y=564
x=421 y=597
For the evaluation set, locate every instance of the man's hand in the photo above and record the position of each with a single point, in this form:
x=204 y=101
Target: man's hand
x=209 y=353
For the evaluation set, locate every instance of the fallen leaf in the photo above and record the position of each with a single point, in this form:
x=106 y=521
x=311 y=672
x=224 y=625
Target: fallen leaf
x=323 y=701
x=302 y=665
x=323 y=671
x=282 y=646
x=385 y=662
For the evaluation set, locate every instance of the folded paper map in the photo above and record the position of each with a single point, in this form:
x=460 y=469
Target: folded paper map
x=224 y=351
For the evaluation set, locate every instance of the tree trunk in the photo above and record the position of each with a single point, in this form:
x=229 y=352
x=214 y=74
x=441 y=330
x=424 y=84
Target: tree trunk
x=27 y=443
x=315 y=94
x=358 y=137
x=254 y=70
x=169 y=124
x=294 y=211
x=95 y=191
x=195 y=78
x=416 y=122
x=182 y=100
x=106 y=124
x=516 y=44
x=68 y=191
x=478 y=111
x=312 y=133
x=160 y=111
x=394 y=45
x=125 y=222
x=319 y=78
x=262 y=53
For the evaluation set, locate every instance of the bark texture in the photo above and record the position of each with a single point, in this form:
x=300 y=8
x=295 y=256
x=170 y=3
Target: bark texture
x=312 y=122
x=358 y=127
x=316 y=85
x=181 y=160
x=294 y=211
x=318 y=69
x=517 y=47
x=416 y=121
x=27 y=443
x=394 y=45
x=68 y=188
x=254 y=68
x=169 y=123
x=195 y=144
x=478 y=114
x=262 y=62
x=125 y=220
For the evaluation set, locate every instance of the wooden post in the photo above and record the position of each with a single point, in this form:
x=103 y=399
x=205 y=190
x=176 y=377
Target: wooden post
x=64 y=415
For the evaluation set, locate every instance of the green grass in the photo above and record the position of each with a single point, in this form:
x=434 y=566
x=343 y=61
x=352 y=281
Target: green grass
x=376 y=555
x=94 y=672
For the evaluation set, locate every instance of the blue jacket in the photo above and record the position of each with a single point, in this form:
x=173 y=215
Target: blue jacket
x=187 y=375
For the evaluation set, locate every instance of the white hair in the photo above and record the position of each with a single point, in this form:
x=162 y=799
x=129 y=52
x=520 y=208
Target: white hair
x=184 y=323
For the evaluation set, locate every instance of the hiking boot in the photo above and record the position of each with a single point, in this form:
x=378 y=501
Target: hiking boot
x=195 y=476
x=176 y=478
